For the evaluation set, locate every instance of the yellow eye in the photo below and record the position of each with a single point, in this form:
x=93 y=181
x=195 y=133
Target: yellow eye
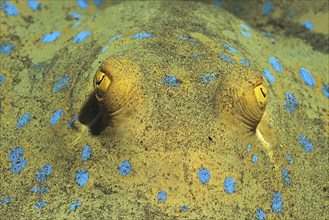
x=101 y=84
x=261 y=93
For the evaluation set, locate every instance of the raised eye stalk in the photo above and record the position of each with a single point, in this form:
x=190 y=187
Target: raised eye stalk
x=117 y=93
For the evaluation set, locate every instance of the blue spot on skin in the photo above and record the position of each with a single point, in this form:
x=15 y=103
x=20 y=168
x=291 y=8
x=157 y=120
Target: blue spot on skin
x=142 y=35
x=254 y=158
x=69 y=125
x=56 y=116
x=61 y=82
x=76 y=24
x=125 y=168
x=98 y=3
x=184 y=208
x=115 y=38
x=9 y=9
x=244 y=27
x=162 y=196
x=191 y=41
x=208 y=78
x=18 y=165
x=82 y=36
x=289 y=159
x=265 y=33
x=74 y=205
x=43 y=173
x=23 y=120
x=34 y=5
x=245 y=62
x=81 y=177
x=277 y=204
x=291 y=103
x=6 y=201
x=75 y=15
x=196 y=56
x=51 y=37
x=183 y=38
x=35 y=189
x=268 y=76
x=44 y=190
x=15 y=154
x=307 y=77
x=6 y=48
x=105 y=48
x=40 y=204
x=171 y=81
x=309 y=25
x=275 y=64
x=204 y=175
x=325 y=90
x=229 y=185
x=245 y=34
x=285 y=177
x=225 y=58
x=306 y=143
x=233 y=50
x=2 y=79
x=248 y=149
x=260 y=214
x=87 y=153
x=82 y=4
x=267 y=8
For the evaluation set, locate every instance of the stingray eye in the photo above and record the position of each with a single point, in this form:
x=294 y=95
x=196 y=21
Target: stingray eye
x=101 y=84
x=251 y=104
x=117 y=94
x=261 y=94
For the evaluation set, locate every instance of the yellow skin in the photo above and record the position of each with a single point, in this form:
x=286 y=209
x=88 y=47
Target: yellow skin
x=167 y=133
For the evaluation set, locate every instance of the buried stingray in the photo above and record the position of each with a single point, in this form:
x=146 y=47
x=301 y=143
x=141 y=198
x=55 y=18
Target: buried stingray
x=168 y=131
x=239 y=106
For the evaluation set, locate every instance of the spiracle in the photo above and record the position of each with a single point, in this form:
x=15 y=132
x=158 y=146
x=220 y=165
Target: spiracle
x=116 y=90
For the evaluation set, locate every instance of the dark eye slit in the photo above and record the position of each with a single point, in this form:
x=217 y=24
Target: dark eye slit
x=99 y=82
x=262 y=92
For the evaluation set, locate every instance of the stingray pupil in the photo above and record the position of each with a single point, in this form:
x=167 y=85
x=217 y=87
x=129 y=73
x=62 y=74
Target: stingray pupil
x=261 y=89
x=99 y=82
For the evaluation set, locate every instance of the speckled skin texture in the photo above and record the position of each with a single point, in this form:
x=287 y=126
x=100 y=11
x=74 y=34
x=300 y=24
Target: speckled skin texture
x=167 y=133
